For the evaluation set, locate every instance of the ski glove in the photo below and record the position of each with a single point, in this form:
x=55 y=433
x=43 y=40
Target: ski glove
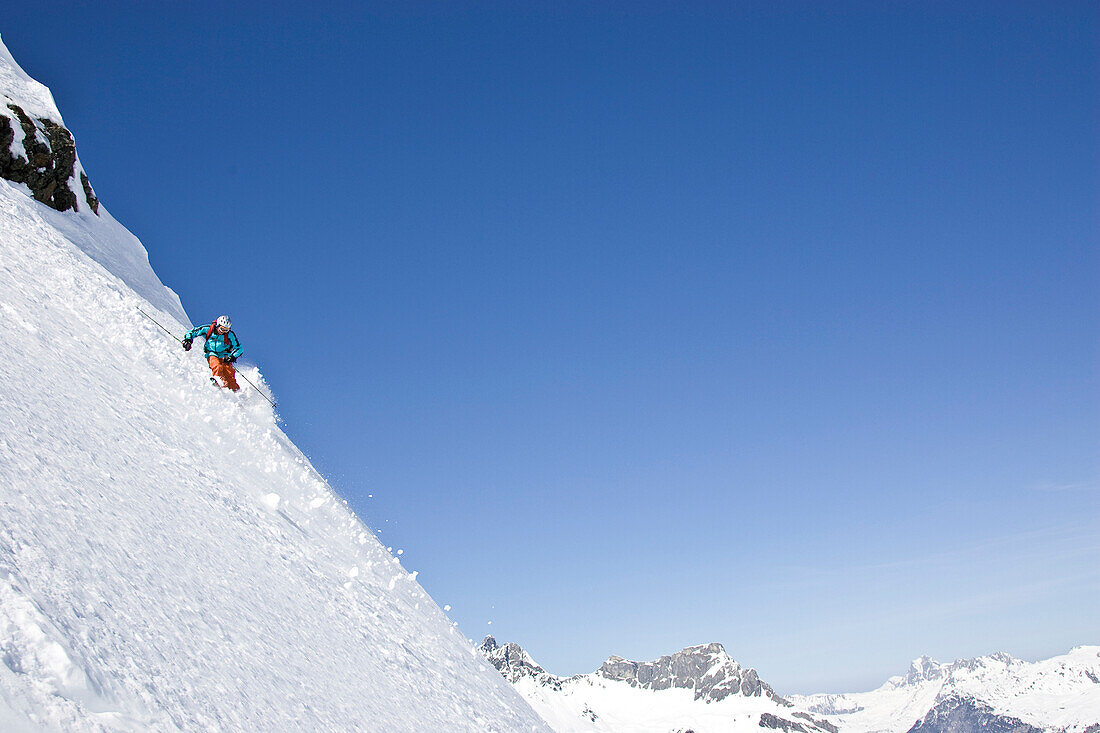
x=231 y=358
x=186 y=344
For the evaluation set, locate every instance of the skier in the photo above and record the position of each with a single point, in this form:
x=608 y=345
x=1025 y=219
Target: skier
x=222 y=349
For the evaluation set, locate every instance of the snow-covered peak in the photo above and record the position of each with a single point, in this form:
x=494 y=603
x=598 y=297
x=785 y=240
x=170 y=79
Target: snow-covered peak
x=18 y=87
x=38 y=157
x=1061 y=693
x=922 y=669
x=512 y=654
x=707 y=670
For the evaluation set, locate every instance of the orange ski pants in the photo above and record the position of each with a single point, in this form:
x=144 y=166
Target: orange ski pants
x=223 y=371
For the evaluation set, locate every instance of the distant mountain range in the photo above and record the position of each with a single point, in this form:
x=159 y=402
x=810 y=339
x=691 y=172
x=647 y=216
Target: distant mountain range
x=993 y=693
x=702 y=688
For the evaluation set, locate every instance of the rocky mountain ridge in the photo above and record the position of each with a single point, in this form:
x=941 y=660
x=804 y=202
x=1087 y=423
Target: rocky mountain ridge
x=705 y=682
x=706 y=669
x=512 y=661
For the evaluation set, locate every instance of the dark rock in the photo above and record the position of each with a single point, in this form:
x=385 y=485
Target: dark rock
x=89 y=194
x=959 y=714
x=812 y=725
x=774 y=722
x=49 y=163
x=818 y=722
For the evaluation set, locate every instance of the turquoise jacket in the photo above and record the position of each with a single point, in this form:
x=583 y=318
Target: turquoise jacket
x=220 y=346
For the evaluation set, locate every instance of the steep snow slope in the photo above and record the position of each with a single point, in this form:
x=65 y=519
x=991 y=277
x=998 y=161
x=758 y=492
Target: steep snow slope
x=168 y=559
x=1057 y=694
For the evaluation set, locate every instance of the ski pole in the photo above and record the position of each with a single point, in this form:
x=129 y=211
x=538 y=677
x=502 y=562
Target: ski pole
x=162 y=328
x=250 y=384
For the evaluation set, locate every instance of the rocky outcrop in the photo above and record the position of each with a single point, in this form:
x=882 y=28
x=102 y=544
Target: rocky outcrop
x=706 y=669
x=514 y=663
x=959 y=714
x=774 y=722
x=810 y=724
x=41 y=154
x=817 y=722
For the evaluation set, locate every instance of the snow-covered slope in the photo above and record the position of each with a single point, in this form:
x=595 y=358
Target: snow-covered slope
x=990 y=693
x=701 y=689
x=168 y=559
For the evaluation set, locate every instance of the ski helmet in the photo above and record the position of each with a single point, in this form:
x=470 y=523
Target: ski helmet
x=224 y=322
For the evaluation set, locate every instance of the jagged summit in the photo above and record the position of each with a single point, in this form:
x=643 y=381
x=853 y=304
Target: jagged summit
x=698 y=688
x=512 y=661
x=926 y=669
x=707 y=669
x=922 y=669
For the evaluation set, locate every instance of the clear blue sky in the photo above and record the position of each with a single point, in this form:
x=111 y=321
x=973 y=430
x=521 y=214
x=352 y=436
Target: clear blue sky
x=649 y=325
